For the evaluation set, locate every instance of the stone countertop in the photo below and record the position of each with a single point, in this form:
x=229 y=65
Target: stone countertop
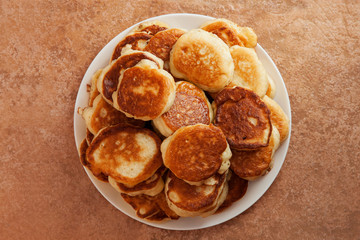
x=46 y=47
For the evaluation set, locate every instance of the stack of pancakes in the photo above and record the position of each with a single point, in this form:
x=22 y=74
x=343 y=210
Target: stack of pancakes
x=153 y=133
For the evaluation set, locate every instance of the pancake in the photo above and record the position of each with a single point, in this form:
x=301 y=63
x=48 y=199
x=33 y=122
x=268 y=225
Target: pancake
x=249 y=71
x=278 y=117
x=82 y=152
x=103 y=115
x=195 y=153
x=161 y=44
x=190 y=107
x=89 y=136
x=151 y=27
x=144 y=91
x=109 y=79
x=93 y=93
x=270 y=92
x=237 y=189
x=243 y=117
x=129 y=155
x=203 y=59
x=231 y=33
x=189 y=200
x=151 y=186
x=137 y=41
x=153 y=208
x=250 y=165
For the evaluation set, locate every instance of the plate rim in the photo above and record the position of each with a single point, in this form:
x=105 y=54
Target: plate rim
x=163 y=225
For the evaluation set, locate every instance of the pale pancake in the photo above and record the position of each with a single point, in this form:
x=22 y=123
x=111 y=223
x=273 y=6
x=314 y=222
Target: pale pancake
x=190 y=107
x=195 y=153
x=102 y=114
x=151 y=27
x=243 y=117
x=251 y=165
x=109 y=79
x=161 y=44
x=231 y=33
x=278 y=117
x=144 y=92
x=137 y=41
x=249 y=71
x=129 y=155
x=189 y=200
x=203 y=59
x=151 y=186
x=270 y=92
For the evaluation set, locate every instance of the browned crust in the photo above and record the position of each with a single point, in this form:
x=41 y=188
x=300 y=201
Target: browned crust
x=148 y=104
x=132 y=40
x=131 y=149
x=190 y=199
x=233 y=107
x=161 y=44
x=194 y=154
x=153 y=29
x=83 y=147
x=237 y=189
x=227 y=33
x=111 y=78
x=186 y=110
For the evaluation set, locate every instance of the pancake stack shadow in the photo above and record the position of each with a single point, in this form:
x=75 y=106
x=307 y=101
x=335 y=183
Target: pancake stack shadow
x=179 y=121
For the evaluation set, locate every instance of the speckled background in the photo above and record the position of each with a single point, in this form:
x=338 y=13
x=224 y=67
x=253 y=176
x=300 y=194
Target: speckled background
x=46 y=47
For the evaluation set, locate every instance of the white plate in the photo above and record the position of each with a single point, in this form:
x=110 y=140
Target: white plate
x=255 y=189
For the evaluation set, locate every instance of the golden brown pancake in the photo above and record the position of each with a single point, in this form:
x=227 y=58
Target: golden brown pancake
x=161 y=44
x=93 y=88
x=231 y=33
x=129 y=155
x=190 y=107
x=151 y=208
x=137 y=40
x=278 y=117
x=151 y=186
x=237 y=189
x=189 y=200
x=151 y=27
x=195 y=153
x=109 y=78
x=82 y=152
x=203 y=59
x=102 y=114
x=252 y=164
x=243 y=117
x=144 y=92
x=249 y=71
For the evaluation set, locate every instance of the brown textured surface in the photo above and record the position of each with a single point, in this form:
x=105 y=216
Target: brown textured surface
x=46 y=47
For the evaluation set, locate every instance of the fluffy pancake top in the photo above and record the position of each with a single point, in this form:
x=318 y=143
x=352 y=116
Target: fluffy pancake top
x=196 y=199
x=161 y=44
x=202 y=58
x=151 y=27
x=129 y=155
x=195 y=153
x=278 y=117
x=109 y=78
x=243 y=117
x=190 y=107
x=144 y=92
x=249 y=71
x=253 y=164
x=231 y=33
x=137 y=40
x=102 y=114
